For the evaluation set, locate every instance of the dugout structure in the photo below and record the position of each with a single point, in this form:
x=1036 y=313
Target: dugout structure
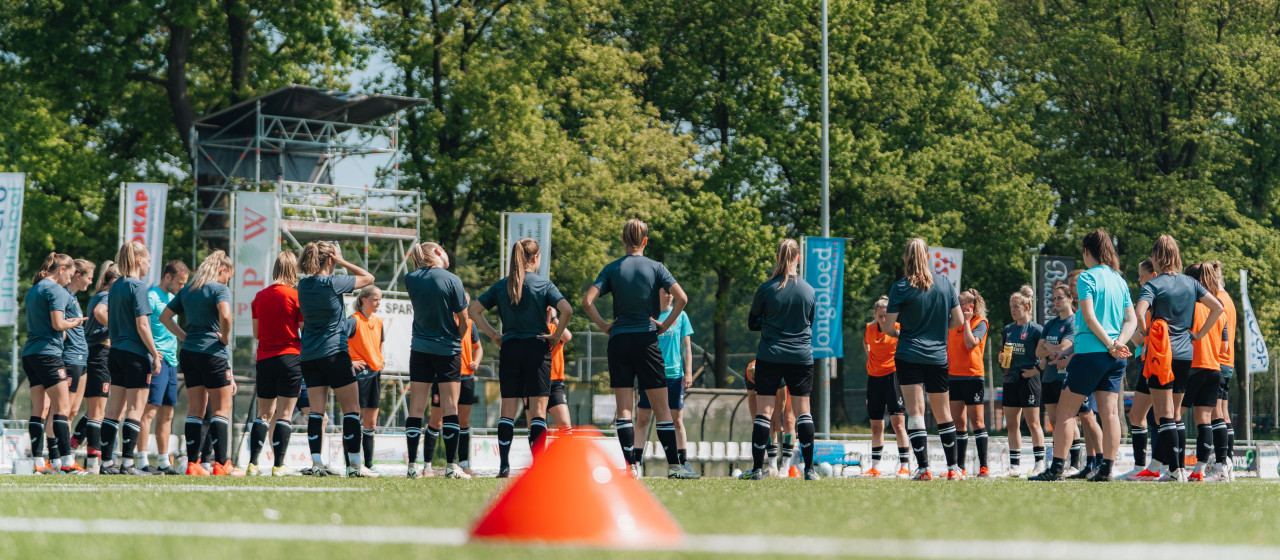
x=287 y=143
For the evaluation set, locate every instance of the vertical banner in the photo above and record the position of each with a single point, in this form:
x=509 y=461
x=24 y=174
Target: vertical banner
x=947 y=262
x=256 y=247
x=520 y=225
x=824 y=270
x=142 y=220
x=1257 y=360
x=12 y=191
x=1050 y=271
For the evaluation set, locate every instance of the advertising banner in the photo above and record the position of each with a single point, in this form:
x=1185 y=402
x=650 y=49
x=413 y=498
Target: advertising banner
x=947 y=262
x=142 y=220
x=1050 y=271
x=824 y=270
x=521 y=225
x=12 y=192
x=256 y=247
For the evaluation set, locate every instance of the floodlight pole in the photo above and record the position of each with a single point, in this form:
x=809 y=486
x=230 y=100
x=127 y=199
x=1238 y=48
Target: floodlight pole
x=826 y=364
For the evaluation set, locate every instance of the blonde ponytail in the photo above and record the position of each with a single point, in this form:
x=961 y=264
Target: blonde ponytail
x=209 y=268
x=915 y=262
x=788 y=252
x=51 y=265
x=128 y=256
x=522 y=253
x=424 y=254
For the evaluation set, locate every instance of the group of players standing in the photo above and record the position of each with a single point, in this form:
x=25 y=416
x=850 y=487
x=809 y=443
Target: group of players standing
x=927 y=340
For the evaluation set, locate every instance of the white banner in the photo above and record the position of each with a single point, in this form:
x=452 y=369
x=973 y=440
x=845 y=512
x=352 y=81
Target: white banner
x=397 y=331
x=142 y=220
x=12 y=191
x=947 y=262
x=1257 y=360
x=522 y=225
x=255 y=250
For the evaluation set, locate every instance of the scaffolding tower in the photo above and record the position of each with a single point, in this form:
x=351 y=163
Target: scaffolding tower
x=287 y=142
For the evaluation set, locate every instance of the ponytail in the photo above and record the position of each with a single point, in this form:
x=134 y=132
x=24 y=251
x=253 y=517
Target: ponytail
x=634 y=232
x=208 y=270
x=107 y=274
x=51 y=265
x=424 y=254
x=522 y=253
x=127 y=259
x=788 y=252
x=316 y=256
x=84 y=268
x=1025 y=295
x=285 y=269
x=915 y=262
x=1098 y=243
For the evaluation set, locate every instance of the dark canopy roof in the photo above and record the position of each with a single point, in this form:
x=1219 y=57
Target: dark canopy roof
x=308 y=102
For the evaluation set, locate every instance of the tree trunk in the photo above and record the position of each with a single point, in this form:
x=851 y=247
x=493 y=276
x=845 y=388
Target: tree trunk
x=238 y=34
x=724 y=281
x=176 y=82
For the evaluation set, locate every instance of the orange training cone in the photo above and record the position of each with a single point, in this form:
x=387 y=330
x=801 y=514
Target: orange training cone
x=793 y=472
x=596 y=503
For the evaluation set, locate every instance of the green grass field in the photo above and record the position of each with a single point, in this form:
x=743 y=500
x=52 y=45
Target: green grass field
x=1244 y=513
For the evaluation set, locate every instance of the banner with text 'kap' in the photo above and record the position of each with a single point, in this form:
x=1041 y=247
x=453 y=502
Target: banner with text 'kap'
x=143 y=221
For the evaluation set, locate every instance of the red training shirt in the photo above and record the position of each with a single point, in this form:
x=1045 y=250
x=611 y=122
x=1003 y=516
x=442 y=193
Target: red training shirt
x=278 y=315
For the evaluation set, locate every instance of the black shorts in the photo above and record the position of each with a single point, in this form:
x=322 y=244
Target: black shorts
x=1023 y=392
x=434 y=368
x=332 y=371
x=279 y=376
x=771 y=375
x=934 y=377
x=524 y=368
x=204 y=370
x=370 y=389
x=1141 y=385
x=969 y=390
x=884 y=395
x=1051 y=391
x=558 y=395
x=45 y=370
x=466 y=392
x=98 y=372
x=129 y=370
x=1203 y=386
x=1181 y=373
x=74 y=373
x=636 y=357
x=1224 y=389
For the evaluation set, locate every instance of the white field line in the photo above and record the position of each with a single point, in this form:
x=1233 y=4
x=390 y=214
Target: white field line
x=718 y=544
x=59 y=488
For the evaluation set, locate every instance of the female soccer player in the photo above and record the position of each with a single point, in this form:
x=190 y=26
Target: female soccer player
x=472 y=353
x=677 y=358
x=558 y=404
x=326 y=362
x=276 y=320
x=634 y=355
x=1171 y=298
x=966 y=346
x=97 y=375
x=524 y=357
x=1223 y=434
x=205 y=303
x=439 y=306
x=782 y=310
x=1022 y=371
x=46 y=305
x=1205 y=380
x=1107 y=318
x=133 y=358
x=1141 y=394
x=1059 y=336
x=365 y=345
x=883 y=393
x=924 y=303
x=75 y=353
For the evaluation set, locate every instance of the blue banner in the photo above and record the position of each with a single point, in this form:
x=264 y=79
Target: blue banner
x=824 y=270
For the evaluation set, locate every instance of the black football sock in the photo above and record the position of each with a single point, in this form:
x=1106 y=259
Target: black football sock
x=429 y=445
x=684 y=455
x=980 y=442
x=1182 y=445
x=257 y=439
x=1015 y=458
x=192 y=431
x=962 y=448
x=280 y=441
x=1231 y=439
x=219 y=432
x=904 y=456
x=366 y=445
x=413 y=433
x=62 y=435
x=667 y=437
x=947 y=433
x=109 y=428
x=129 y=439
x=93 y=431
x=1204 y=444
x=1077 y=452
x=876 y=453
x=759 y=441
x=80 y=433
x=464 y=444
x=206 y=447
x=1166 y=441
x=1139 y=435
x=315 y=436
x=51 y=441
x=1038 y=453
x=1220 y=440
x=351 y=438
x=805 y=432
x=626 y=436
x=537 y=426
x=920 y=445
x=35 y=429
x=449 y=431
x=506 y=431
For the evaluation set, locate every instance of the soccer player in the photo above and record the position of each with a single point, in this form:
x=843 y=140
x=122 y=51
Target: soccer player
x=75 y=355
x=439 y=308
x=1138 y=431
x=205 y=303
x=1059 y=336
x=1022 y=371
x=133 y=358
x=45 y=306
x=677 y=358
x=162 y=393
x=782 y=310
x=883 y=392
x=966 y=346
x=634 y=355
x=1224 y=435
x=1171 y=298
x=326 y=362
x=925 y=304
x=558 y=404
x=472 y=353
x=1106 y=320
x=97 y=375
x=276 y=320
x=1205 y=381
x=524 y=357
x=365 y=346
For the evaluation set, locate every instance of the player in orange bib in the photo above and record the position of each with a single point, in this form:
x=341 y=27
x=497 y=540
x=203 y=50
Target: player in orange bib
x=966 y=346
x=1206 y=373
x=1224 y=436
x=558 y=404
x=365 y=347
x=883 y=393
